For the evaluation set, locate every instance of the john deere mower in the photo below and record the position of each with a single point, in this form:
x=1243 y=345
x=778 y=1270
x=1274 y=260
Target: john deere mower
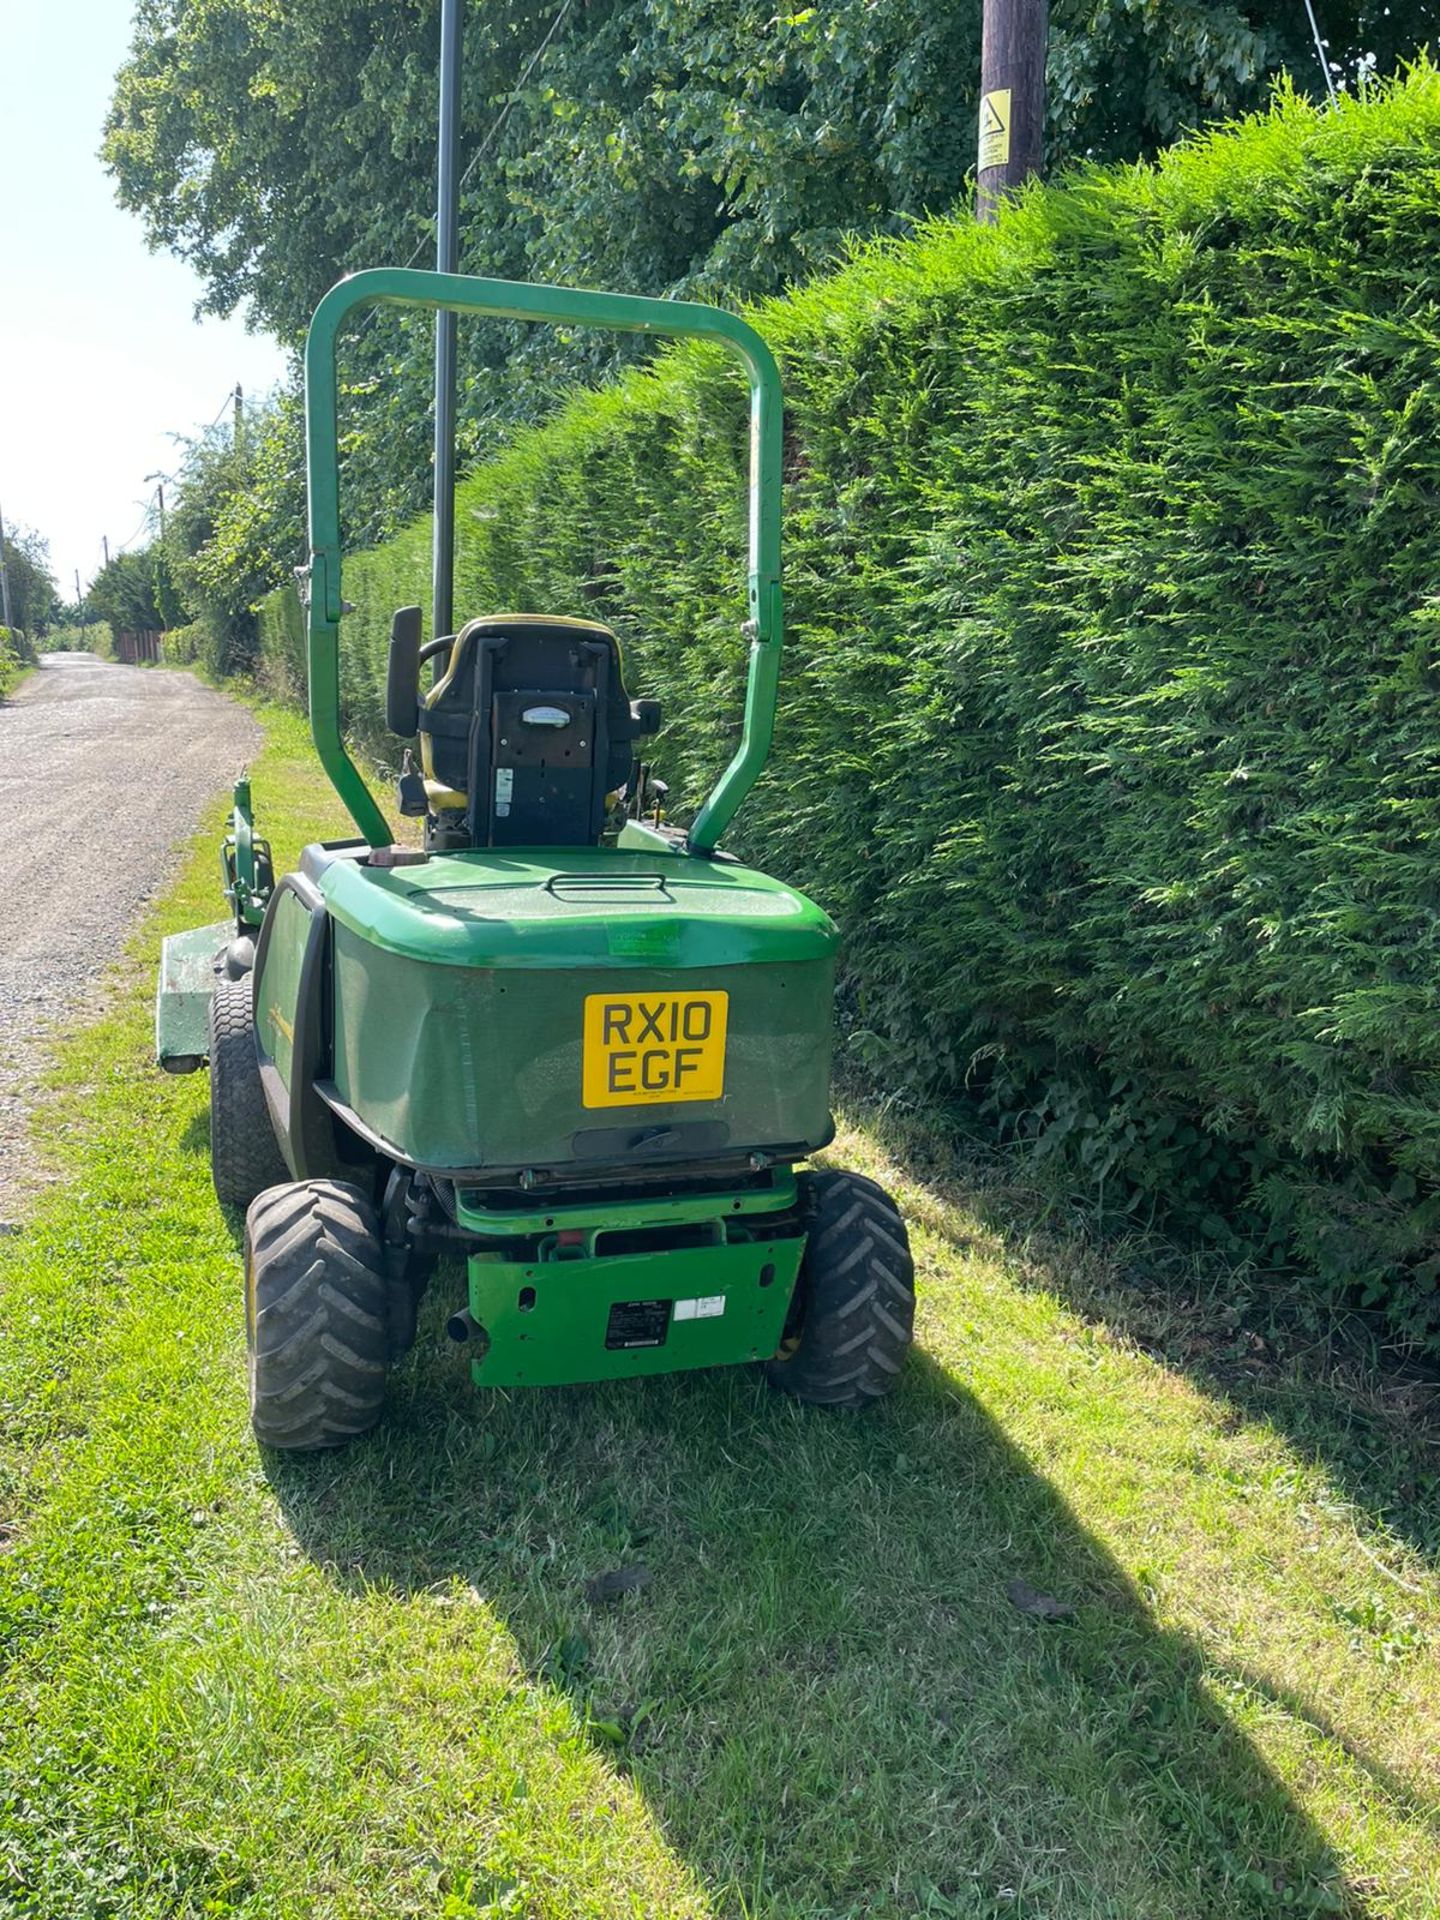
x=582 y=1050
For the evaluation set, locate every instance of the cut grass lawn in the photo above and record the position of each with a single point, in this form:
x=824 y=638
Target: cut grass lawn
x=380 y=1683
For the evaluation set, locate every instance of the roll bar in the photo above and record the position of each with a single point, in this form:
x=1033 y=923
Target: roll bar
x=515 y=300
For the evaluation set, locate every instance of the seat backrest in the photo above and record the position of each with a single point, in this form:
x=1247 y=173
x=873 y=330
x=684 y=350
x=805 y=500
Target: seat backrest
x=531 y=724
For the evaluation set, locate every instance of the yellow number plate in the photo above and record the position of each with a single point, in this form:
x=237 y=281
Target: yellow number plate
x=645 y=1048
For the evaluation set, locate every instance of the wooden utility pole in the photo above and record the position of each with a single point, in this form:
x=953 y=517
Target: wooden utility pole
x=1012 y=99
x=159 y=496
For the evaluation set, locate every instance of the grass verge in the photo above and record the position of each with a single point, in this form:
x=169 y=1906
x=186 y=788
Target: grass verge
x=384 y=1683
x=12 y=678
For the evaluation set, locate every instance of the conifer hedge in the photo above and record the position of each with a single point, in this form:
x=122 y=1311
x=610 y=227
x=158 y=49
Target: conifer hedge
x=1109 y=729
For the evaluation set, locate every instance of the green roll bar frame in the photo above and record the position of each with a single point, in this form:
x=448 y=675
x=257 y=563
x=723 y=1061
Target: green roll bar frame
x=515 y=300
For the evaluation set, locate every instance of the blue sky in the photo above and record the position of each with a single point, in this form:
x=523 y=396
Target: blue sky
x=101 y=359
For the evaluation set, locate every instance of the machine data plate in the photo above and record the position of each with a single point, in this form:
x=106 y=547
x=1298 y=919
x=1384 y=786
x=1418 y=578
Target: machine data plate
x=637 y=1323
x=648 y=1049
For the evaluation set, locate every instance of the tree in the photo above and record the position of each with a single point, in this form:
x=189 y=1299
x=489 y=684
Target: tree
x=236 y=525
x=125 y=593
x=714 y=148
x=34 y=599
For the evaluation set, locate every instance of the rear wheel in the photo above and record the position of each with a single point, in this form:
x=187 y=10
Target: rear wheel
x=245 y=1156
x=854 y=1313
x=315 y=1315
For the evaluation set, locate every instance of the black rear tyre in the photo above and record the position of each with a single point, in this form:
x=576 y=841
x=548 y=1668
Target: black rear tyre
x=245 y=1156
x=316 y=1319
x=854 y=1314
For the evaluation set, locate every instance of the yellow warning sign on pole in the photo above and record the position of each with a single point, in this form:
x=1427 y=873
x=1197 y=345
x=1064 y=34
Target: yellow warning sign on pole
x=995 y=128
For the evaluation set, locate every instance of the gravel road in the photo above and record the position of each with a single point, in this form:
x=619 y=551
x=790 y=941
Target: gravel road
x=104 y=771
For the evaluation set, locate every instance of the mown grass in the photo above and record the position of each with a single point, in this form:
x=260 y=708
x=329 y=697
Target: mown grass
x=379 y=1684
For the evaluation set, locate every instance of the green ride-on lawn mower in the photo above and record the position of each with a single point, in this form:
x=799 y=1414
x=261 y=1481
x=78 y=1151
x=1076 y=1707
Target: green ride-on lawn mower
x=584 y=1050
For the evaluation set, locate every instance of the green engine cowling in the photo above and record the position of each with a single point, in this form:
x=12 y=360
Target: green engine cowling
x=482 y=1012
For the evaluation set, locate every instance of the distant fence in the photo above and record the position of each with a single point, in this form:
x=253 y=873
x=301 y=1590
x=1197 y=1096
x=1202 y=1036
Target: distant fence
x=132 y=648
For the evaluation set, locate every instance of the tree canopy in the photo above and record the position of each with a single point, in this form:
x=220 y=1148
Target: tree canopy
x=34 y=600
x=717 y=147
x=127 y=592
x=713 y=148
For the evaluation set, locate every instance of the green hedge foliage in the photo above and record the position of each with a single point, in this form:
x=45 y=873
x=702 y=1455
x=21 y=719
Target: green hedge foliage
x=16 y=653
x=1110 y=728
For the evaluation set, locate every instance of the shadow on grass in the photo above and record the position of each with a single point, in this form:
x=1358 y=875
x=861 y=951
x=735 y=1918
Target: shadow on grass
x=819 y=1683
x=1364 y=1415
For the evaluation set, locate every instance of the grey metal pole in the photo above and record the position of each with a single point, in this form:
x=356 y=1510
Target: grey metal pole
x=4 y=579
x=447 y=260
x=1320 y=53
x=1012 y=99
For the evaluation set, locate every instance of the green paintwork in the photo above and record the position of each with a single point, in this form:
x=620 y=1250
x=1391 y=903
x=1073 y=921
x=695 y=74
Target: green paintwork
x=560 y=1338
x=458 y=992
x=514 y=300
x=245 y=888
x=454 y=1067
x=656 y=1210
x=577 y=907
x=277 y=990
x=182 y=998
x=638 y=836
x=453 y=989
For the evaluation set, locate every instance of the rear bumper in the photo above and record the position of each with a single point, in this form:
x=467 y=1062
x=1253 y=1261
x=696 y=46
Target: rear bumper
x=637 y=1287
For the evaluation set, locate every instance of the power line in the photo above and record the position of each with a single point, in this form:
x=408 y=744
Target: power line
x=491 y=137
x=496 y=128
x=144 y=525
x=228 y=401
x=515 y=92
x=142 y=528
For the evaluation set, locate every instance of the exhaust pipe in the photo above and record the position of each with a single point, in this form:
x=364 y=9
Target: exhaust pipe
x=463 y=1326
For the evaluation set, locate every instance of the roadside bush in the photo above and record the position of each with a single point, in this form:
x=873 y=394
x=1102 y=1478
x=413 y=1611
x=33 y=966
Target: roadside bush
x=1109 y=726
x=93 y=637
x=16 y=653
x=202 y=643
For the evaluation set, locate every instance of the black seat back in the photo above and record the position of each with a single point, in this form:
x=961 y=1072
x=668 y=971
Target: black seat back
x=531 y=722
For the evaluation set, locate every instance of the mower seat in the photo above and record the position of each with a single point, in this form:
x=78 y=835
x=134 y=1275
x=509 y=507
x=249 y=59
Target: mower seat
x=527 y=731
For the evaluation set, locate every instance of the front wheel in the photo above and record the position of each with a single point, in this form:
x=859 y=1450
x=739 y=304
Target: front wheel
x=245 y=1156
x=316 y=1320
x=854 y=1313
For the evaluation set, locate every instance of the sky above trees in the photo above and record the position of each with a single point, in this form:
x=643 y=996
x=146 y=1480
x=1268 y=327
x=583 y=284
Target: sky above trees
x=101 y=358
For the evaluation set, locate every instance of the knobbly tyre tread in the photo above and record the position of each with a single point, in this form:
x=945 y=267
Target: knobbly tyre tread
x=856 y=1298
x=315 y=1315
x=245 y=1156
